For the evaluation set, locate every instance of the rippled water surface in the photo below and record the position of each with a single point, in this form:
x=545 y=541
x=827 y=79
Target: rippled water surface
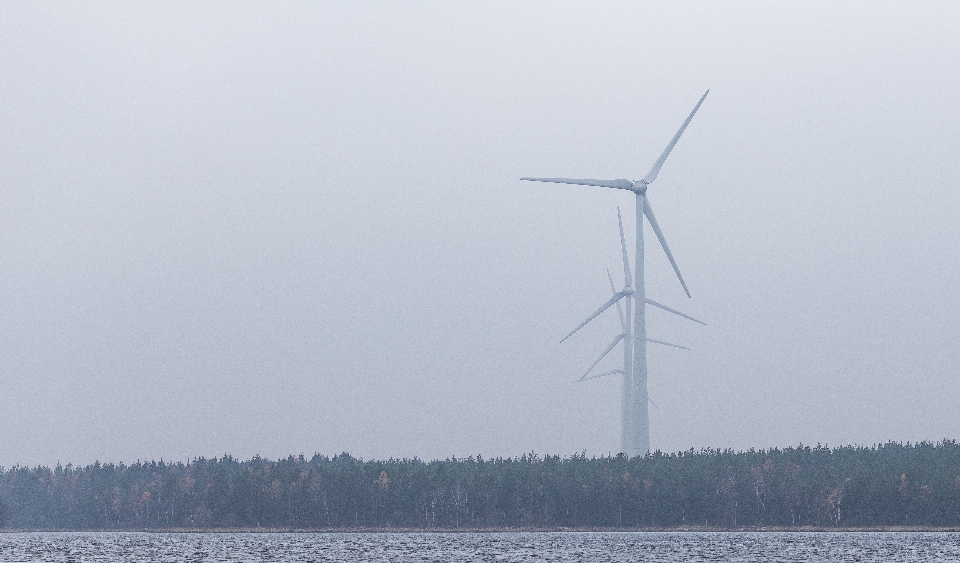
x=501 y=547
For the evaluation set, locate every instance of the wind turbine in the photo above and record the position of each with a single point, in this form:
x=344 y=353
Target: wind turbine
x=635 y=438
x=625 y=294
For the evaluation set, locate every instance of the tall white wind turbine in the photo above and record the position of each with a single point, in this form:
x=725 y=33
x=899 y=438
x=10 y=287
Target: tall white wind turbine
x=635 y=438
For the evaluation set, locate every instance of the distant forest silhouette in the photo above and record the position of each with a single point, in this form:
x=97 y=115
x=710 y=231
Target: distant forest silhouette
x=886 y=485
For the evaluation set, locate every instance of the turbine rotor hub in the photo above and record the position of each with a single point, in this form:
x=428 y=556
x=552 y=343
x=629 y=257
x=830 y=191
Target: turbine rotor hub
x=640 y=187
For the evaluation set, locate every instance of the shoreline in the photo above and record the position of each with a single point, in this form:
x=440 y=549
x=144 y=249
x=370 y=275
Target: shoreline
x=519 y=530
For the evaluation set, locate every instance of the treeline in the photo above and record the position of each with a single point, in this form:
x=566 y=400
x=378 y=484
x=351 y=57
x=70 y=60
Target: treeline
x=888 y=485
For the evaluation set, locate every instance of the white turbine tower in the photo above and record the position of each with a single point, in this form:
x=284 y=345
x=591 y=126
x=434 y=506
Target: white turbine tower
x=635 y=439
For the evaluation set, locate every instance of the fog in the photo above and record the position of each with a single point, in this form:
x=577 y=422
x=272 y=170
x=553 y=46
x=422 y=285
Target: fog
x=296 y=228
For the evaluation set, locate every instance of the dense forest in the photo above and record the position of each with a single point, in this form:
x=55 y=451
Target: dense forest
x=887 y=485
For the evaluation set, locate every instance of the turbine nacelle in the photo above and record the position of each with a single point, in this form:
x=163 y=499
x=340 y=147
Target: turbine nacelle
x=638 y=187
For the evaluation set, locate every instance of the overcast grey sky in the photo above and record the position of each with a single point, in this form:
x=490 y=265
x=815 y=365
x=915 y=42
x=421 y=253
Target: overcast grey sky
x=284 y=228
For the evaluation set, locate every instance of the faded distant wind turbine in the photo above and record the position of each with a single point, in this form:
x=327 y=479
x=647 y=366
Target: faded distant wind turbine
x=635 y=437
x=626 y=294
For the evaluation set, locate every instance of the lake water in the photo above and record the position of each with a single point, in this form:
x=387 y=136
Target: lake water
x=494 y=547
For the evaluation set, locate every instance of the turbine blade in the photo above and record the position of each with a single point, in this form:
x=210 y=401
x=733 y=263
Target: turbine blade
x=599 y=375
x=666 y=343
x=616 y=297
x=649 y=398
x=627 y=279
x=648 y=211
x=652 y=175
x=618 y=184
x=674 y=311
x=602 y=356
x=623 y=321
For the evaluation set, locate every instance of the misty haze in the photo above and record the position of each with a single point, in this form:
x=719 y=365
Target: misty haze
x=283 y=229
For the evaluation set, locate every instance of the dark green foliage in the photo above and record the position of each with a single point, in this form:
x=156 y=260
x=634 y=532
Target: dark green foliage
x=888 y=485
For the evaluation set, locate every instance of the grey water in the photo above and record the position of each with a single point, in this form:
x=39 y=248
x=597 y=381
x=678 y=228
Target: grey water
x=89 y=547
